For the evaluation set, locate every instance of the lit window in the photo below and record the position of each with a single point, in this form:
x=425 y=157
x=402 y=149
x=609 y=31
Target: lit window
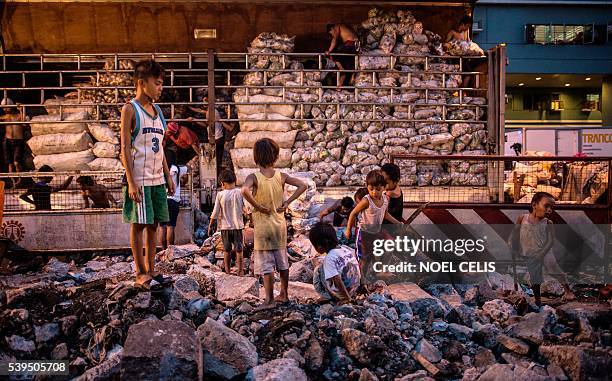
x=568 y=34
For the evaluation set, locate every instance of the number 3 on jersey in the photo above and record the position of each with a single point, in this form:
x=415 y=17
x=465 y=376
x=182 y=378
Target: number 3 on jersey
x=155 y=146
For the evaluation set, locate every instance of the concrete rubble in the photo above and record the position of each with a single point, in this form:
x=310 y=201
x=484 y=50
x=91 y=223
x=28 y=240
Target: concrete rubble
x=203 y=326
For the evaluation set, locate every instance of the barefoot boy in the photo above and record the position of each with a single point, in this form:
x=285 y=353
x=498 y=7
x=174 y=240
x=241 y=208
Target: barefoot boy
x=264 y=190
x=142 y=133
x=229 y=211
x=536 y=241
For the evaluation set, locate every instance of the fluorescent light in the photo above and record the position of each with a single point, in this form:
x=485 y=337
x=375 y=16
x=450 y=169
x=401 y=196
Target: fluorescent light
x=567 y=85
x=538 y=78
x=587 y=79
x=521 y=84
x=204 y=34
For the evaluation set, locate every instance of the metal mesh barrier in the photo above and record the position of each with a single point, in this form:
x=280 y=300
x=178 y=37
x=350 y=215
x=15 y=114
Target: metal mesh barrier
x=504 y=179
x=63 y=191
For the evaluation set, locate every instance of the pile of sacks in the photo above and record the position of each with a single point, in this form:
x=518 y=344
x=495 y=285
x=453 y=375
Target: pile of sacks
x=106 y=149
x=69 y=142
x=261 y=110
x=62 y=143
x=463 y=48
x=398 y=32
x=342 y=142
x=115 y=95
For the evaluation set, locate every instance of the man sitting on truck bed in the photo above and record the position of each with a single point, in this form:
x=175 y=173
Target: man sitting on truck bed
x=348 y=44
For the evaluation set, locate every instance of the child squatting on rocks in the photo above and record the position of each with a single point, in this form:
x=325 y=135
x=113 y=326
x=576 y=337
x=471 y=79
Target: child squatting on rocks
x=337 y=278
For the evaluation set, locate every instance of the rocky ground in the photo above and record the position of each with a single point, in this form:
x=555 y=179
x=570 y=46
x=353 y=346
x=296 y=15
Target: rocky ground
x=204 y=326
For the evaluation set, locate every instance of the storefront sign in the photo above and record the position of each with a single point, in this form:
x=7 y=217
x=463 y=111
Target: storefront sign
x=597 y=142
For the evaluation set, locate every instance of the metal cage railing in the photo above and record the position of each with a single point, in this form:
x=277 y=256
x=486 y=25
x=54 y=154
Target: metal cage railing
x=505 y=179
x=68 y=195
x=187 y=73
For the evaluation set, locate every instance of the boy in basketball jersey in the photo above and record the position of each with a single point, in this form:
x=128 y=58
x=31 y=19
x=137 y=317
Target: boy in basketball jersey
x=142 y=133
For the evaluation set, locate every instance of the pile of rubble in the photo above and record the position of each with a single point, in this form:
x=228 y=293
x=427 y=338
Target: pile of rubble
x=203 y=325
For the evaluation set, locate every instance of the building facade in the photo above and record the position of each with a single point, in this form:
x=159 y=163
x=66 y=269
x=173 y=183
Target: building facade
x=559 y=82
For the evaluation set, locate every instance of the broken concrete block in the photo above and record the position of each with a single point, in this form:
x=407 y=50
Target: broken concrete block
x=161 y=350
x=276 y=370
x=109 y=370
x=579 y=363
x=227 y=354
x=533 y=326
x=174 y=252
x=498 y=310
x=231 y=287
x=365 y=348
x=421 y=302
x=301 y=292
x=205 y=278
x=20 y=344
x=46 y=332
x=302 y=271
x=430 y=352
x=514 y=345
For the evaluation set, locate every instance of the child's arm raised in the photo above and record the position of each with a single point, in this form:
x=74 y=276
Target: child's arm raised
x=301 y=188
x=363 y=205
x=329 y=210
x=26 y=197
x=127 y=124
x=246 y=190
x=65 y=185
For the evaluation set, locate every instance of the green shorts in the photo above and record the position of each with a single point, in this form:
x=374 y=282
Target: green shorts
x=153 y=207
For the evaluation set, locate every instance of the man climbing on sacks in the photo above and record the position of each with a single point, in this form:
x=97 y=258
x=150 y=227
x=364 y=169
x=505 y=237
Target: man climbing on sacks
x=344 y=40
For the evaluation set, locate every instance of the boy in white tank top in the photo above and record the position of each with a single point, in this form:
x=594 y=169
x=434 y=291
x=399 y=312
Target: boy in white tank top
x=142 y=132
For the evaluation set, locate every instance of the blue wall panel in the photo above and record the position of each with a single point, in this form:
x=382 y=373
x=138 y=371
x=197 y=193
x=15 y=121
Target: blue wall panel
x=505 y=23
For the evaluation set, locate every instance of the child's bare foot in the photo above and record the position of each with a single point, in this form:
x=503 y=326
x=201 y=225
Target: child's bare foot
x=281 y=299
x=143 y=281
x=265 y=306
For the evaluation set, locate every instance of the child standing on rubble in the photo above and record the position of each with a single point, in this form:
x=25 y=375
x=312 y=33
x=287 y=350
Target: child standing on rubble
x=264 y=191
x=534 y=231
x=372 y=211
x=178 y=173
x=229 y=211
x=146 y=172
x=337 y=278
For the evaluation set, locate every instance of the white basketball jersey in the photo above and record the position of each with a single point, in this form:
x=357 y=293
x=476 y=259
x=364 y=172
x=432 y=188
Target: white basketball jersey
x=147 y=150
